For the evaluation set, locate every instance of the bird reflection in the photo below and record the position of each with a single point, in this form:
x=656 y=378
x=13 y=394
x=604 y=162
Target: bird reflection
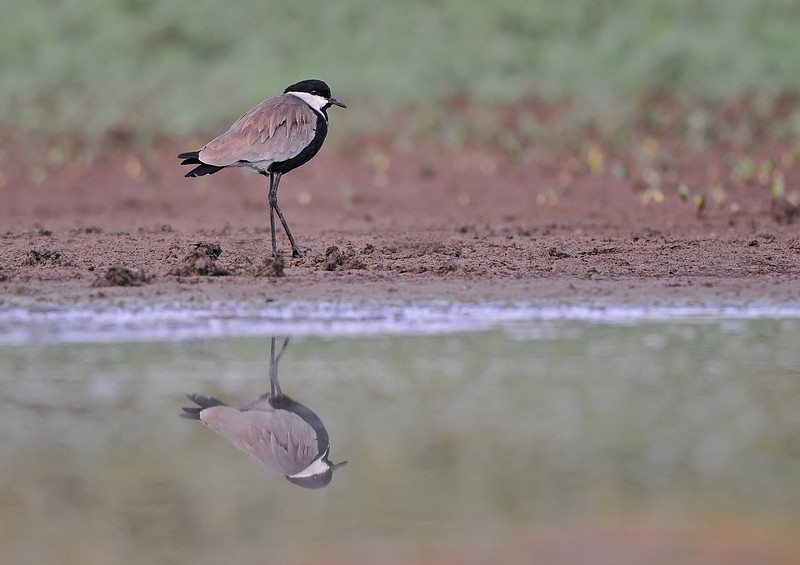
x=274 y=431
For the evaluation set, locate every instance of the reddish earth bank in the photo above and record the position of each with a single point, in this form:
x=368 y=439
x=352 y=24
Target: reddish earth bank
x=651 y=219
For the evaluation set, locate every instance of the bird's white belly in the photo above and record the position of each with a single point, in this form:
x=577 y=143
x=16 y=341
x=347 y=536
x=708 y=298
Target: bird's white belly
x=260 y=166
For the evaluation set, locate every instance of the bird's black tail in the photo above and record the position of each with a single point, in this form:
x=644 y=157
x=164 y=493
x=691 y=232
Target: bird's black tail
x=203 y=402
x=193 y=158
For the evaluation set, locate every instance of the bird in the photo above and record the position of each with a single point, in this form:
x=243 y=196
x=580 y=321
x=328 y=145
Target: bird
x=276 y=432
x=276 y=136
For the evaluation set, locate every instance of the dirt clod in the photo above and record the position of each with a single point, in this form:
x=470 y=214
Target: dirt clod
x=336 y=259
x=201 y=261
x=559 y=253
x=203 y=249
x=333 y=258
x=271 y=267
x=122 y=276
x=41 y=257
x=600 y=251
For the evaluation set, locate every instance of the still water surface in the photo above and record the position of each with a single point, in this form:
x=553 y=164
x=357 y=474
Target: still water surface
x=538 y=442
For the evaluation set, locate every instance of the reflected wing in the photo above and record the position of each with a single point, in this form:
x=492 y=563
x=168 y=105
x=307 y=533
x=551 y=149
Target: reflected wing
x=276 y=439
x=275 y=130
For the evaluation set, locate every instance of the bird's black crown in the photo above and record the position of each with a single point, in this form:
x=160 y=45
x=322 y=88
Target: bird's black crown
x=312 y=86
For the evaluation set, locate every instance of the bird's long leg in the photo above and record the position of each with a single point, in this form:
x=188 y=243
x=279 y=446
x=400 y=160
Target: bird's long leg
x=273 y=195
x=275 y=387
x=273 y=202
x=283 y=349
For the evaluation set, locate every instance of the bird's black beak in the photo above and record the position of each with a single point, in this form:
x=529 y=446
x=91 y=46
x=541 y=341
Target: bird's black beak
x=335 y=102
x=335 y=466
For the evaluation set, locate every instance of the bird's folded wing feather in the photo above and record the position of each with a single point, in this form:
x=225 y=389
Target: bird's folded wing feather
x=275 y=130
x=278 y=440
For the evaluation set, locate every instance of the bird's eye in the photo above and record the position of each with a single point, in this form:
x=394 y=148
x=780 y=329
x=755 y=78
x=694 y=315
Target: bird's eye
x=316 y=92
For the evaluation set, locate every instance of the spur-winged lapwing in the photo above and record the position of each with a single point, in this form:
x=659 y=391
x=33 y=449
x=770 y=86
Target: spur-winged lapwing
x=278 y=135
x=275 y=431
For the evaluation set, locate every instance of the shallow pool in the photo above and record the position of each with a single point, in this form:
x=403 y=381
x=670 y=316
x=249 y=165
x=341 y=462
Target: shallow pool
x=545 y=441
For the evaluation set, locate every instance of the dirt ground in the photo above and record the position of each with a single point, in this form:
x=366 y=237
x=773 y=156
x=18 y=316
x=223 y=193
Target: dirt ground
x=584 y=220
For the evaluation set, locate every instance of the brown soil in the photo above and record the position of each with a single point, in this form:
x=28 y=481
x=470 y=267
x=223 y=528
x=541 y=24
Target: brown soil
x=586 y=220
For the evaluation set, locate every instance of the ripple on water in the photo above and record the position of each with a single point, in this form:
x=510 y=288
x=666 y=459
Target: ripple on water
x=178 y=321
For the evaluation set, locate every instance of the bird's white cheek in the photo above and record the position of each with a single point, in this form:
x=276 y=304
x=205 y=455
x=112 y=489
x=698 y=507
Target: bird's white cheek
x=317 y=467
x=316 y=102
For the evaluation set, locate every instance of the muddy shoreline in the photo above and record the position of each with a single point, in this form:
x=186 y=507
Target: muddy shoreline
x=470 y=225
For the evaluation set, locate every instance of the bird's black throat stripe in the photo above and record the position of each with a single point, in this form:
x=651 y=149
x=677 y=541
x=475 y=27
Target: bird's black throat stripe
x=283 y=402
x=308 y=151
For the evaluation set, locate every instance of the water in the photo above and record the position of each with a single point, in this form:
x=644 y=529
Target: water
x=551 y=441
x=137 y=320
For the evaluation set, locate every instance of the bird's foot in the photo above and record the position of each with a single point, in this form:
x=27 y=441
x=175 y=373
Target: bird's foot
x=297 y=252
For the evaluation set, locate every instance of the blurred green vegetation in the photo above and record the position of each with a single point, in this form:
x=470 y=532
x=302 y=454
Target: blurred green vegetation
x=180 y=66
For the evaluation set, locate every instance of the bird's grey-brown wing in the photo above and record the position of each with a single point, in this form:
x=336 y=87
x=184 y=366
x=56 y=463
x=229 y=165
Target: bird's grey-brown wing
x=275 y=130
x=278 y=440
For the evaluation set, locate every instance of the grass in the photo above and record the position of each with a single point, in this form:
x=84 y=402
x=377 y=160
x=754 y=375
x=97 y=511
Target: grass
x=183 y=66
